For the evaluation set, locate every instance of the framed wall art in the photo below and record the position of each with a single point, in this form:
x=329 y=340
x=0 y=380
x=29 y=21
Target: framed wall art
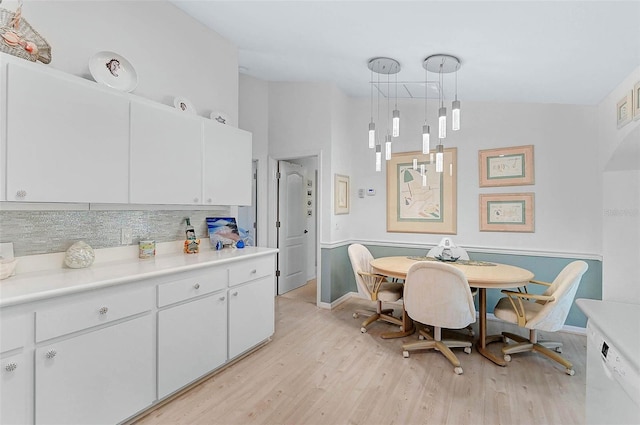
x=511 y=166
x=636 y=101
x=420 y=202
x=341 y=194
x=507 y=212
x=624 y=110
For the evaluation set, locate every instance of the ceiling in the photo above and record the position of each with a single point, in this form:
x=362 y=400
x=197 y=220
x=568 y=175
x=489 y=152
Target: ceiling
x=567 y=52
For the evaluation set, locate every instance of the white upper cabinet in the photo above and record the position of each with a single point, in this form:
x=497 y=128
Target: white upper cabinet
x=67 y=140
x=227 y=165
x=166 y=148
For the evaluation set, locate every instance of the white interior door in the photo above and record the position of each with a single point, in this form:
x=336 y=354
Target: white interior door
x=292 y=233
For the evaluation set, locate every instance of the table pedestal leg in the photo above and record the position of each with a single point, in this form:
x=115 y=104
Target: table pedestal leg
x=407 y=328
x=483 y=339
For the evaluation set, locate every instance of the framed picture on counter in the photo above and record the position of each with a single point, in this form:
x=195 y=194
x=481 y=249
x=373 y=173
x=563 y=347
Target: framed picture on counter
x=420 y=199
x=507 y=212
x=506 y=166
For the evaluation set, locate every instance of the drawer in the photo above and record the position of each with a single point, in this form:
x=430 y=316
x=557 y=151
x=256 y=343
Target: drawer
x=202 y=283
x=14 y=332
x=91 y=311
x=251 y=269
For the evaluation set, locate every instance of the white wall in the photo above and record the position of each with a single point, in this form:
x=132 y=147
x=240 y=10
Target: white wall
x=172 y=53
x=254 y=117
x=567 y=184
x=619 y=153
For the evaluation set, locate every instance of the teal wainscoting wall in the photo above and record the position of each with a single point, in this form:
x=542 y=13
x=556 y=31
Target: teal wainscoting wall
x=337 y=269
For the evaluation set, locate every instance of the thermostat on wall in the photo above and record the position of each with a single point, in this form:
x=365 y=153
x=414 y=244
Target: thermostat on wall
x=371 y=192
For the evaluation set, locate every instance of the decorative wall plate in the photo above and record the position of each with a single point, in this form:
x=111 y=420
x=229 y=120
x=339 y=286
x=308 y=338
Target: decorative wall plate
x=184 y=105
x=113 y=70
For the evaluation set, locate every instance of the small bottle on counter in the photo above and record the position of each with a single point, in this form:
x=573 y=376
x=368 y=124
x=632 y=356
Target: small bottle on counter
x=191 y=244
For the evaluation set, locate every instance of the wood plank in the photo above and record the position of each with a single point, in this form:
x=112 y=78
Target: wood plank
x=319 y=369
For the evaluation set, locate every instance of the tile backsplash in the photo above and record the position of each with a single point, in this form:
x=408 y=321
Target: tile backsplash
x=45 y=232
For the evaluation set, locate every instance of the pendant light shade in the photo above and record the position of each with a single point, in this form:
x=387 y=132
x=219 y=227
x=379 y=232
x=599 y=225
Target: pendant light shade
x=455 y=115
x=415 y=163
x=396 y=123
x=442 y=123
x=378 y=158
x=439 y=158
x=387 y=149
x=426 y=136
x=372 y=135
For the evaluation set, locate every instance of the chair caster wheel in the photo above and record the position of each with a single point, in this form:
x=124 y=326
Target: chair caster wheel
x=363 y=330
x=401 y=329
x=405 y=354
x=467 y=350
x=356 y=315
x=507 y=358
x=421 y=337
x=570 y=372
x=558 y=350
x=458 y=370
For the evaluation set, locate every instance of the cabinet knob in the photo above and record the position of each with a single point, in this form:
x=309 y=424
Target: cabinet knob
x=104 y=310
x=21 y=194
x=51 y=354
x=209 y=200
x=222 y=298
x=195 y=200
x=197 y=286
x=235 y=294
x=254 y=271
x=11 y=367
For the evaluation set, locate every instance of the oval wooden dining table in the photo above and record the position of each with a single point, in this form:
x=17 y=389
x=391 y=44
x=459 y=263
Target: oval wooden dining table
x=481 y=275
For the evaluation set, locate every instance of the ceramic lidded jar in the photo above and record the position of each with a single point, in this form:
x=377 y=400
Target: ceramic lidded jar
x=79 y=255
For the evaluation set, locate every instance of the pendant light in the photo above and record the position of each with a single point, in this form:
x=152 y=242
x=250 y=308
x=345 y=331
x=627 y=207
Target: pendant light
x=439 y=158
x=426 y=131
x=378 y=158
x=384 y=66
x=396 y=114
x=455 y=107
x=372 y=125
x=445 y=64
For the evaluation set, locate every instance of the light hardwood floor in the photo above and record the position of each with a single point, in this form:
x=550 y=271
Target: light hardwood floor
x=319 y=369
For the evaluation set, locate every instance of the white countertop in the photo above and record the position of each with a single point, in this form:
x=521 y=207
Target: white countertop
x=33 y=286
x=619 y=324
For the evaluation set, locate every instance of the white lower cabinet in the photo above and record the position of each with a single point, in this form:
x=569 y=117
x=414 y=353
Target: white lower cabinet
x=16 y=373
x=101 y=377
x=192 y=341
x=251 y=314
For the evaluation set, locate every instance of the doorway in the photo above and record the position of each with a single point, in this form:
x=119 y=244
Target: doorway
x=296 y=223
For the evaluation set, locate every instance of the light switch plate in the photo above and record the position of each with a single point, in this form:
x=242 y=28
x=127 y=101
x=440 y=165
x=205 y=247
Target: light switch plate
x=6 y=250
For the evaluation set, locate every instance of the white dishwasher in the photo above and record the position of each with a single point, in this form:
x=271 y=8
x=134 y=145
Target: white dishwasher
x=613 y=357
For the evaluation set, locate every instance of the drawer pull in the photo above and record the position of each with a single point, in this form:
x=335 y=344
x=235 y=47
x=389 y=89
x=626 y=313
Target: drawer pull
x=235 y=294
x=197 y=286
x=11 y=367
x=254 y=271
x=222 y=298
x=104 y=310
x=51 y=354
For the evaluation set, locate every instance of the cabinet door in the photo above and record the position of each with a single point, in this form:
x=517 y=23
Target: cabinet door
x=227 y=165
x=251 y=314
x=192 y=341
x=67 y=139
x=103 y=376
x=15 y=389
x=166 y=156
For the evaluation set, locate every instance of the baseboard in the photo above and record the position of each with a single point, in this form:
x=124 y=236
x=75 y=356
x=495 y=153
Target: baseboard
x=336 y=303
x=566 y=328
